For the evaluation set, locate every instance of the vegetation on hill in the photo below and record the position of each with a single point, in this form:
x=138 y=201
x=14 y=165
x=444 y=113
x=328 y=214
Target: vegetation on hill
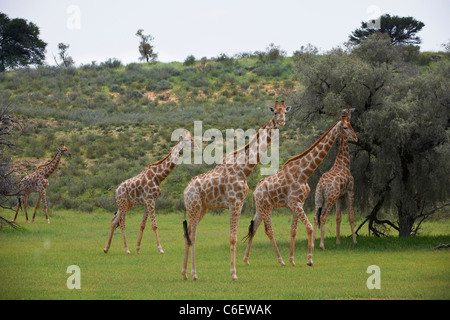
x=116 y=119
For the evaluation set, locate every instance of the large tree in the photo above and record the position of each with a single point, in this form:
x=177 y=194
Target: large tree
x=401 y=162
x=401 y=30
x=20 y=44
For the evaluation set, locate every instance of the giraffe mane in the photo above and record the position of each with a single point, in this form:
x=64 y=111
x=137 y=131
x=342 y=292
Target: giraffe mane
x=248 y=144
x=310 y=148
x=161 y=160
x=46 y=164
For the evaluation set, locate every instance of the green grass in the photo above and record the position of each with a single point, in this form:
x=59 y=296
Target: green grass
x=34 y=260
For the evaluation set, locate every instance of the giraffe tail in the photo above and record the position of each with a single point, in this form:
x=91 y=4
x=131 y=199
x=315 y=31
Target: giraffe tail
x=19 y=203
x=318 y=213
x=251 y=227
x=115 y=216
x=186 y=233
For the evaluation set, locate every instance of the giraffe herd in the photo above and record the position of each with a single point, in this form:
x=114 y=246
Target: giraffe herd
x=225 y=186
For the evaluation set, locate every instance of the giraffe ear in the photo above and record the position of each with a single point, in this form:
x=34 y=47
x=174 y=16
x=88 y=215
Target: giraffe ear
x=288 y=108
x=271 y=109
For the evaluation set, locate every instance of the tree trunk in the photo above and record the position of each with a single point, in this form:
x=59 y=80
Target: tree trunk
x=404 y=224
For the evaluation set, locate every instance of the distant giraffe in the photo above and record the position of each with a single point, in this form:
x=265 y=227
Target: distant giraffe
x=38 y=182
x=225 y=186
x=333 y=187
x=289 y=188
x=143 y=189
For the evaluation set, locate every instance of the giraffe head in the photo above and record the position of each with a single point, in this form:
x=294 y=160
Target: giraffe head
x=186 y=141
x=279 y=112
x=346 y=128
x=64 y=151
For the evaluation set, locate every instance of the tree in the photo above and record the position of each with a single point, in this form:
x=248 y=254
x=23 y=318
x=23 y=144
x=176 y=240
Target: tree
x=401 y=162
x=64 y=57
x=8 y=185
x=146 y=49
x=401 y=30
x=20 y=44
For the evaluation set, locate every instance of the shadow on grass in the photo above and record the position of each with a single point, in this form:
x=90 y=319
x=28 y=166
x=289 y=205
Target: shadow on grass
x=364 y=243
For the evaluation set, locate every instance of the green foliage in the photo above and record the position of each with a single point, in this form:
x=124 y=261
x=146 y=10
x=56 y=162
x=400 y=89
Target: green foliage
x=401 y=30
x=118 y=119
x=20 y=44
x=401 y=120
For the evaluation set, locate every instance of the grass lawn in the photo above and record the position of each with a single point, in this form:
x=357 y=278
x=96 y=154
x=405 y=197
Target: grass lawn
x=34 y=261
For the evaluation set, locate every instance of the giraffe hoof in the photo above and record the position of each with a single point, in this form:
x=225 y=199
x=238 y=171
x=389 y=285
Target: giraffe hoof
x=291 y=260
x=194 y=277
x=310 y=264
x=234 y=277
x=48 y=221
x=127 y=251
x=246 y=262
x=105 y=250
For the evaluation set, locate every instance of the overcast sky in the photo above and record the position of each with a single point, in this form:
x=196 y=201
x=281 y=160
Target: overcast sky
x=100 y=29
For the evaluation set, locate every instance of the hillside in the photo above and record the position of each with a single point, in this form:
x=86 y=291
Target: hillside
x=116 y=119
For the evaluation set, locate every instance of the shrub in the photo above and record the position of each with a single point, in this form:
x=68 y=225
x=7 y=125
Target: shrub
x=189 y=61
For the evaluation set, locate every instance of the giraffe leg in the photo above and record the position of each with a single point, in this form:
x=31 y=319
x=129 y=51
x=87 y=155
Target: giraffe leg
x=44 y=204
x=192 y=235
x=17 y=209
x=269 y=233
x=142 y=227
x=186 y=256
x=194 y=214
x=256 y=222
x=37 y=206
x=122 y=228
x=338 y=221
x=309 y=230
x=350 y=214
x=323 y=219
x=235 y=212
x=293 y=235
x=24 y=203
x=155 y=229
x=316 y=220
x=114 y=222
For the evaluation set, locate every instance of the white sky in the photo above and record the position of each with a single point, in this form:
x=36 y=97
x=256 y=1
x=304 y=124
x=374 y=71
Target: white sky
x=100 y=29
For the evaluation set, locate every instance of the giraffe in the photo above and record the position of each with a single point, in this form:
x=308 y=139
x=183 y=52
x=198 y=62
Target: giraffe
x=144 y=189
x=225 y=186
x=289 y=188
x=333 y=187
x=38 y=182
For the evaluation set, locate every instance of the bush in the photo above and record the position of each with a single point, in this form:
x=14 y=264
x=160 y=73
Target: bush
x=189 y=61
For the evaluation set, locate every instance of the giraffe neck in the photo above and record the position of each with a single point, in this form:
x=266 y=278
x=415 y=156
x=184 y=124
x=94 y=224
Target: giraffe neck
x=309 y=160
x=247 y=158
x=164 y=167
x=49 y=168
x=343 y=157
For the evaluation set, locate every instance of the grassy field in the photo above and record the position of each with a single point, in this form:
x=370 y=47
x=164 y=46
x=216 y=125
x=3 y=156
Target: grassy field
x=34 y=261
